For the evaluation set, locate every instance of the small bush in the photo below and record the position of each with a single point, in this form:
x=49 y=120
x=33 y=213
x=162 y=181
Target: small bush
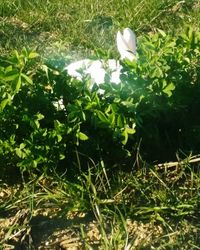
x=46 y=116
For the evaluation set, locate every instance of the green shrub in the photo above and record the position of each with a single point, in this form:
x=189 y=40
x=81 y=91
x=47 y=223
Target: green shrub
x=156 y=101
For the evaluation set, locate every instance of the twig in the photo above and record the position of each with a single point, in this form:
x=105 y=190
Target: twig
x=194 y=159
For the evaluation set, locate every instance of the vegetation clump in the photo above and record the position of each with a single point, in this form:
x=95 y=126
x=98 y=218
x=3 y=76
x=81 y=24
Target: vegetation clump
x=84 y=163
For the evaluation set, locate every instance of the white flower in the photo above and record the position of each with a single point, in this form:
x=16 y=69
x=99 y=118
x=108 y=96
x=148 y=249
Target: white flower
x=59 y=105
x=97 y=69
x=126 y=44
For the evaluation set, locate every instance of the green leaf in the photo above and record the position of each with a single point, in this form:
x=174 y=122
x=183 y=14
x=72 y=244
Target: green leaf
x=35 y=124
x=8 y=69
x=162 y=32
x=168 y=89
x=33 y=55
x=111 y=118
x=59 y=137
x=102 y=117
x=125 y=135
x=120 y=121
x=16 y=54
x=28 y=79
x=82 y=136
x=130 y=130
x=61 y=156
x=21 y=152
x=22 y=145
x=91 y=105
x=18 y=84
x=11 y=77
x=4 y=103
x=157 y=72
x=83 y=116
x=40 y=116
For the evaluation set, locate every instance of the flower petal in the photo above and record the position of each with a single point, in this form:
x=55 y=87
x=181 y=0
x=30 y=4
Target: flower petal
x=122 y=45
x=126 y=44
x=130 y=39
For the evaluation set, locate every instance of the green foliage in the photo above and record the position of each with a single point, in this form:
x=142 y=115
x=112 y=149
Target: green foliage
x=169 y=70
x=49 y=120
x=46 y=116
x=81 y=25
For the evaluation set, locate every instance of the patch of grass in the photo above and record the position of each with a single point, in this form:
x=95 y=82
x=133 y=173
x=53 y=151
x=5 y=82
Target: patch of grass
x=83 y=26
x=151 y=208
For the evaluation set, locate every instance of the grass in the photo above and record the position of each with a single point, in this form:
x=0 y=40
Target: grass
x=79 y=27
x=150 y=208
